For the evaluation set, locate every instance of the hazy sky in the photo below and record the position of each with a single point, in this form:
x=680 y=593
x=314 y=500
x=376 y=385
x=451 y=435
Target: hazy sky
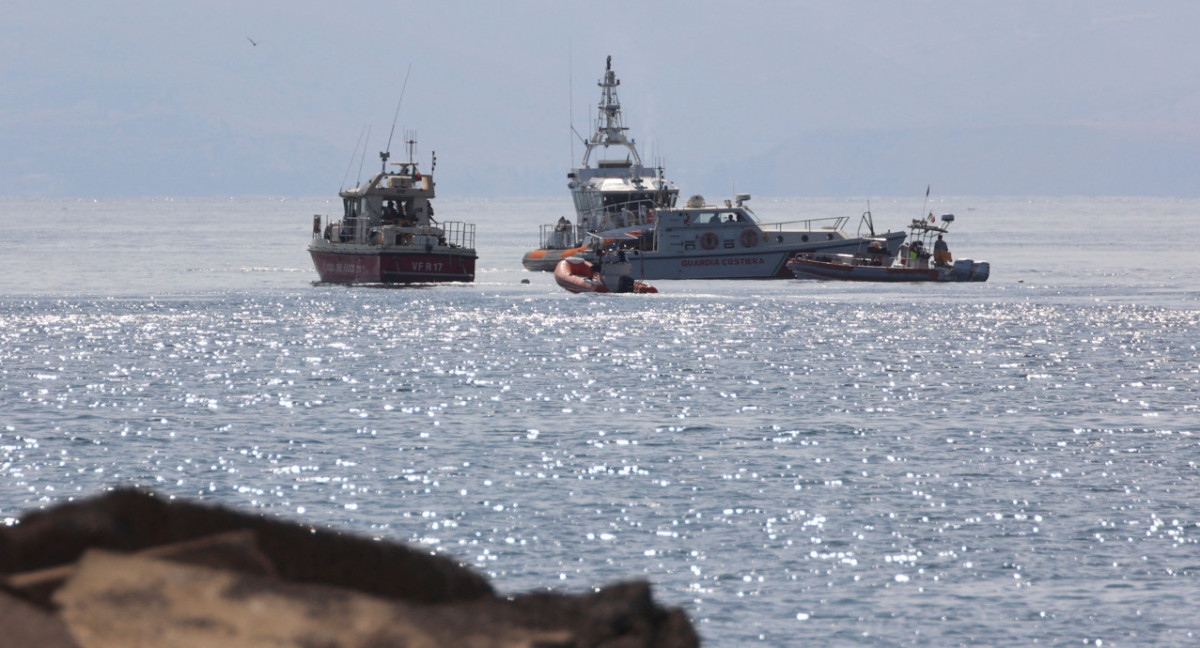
x=855 y=98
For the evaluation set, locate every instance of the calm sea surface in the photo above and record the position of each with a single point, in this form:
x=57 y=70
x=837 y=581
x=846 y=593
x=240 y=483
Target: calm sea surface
x=793 y=463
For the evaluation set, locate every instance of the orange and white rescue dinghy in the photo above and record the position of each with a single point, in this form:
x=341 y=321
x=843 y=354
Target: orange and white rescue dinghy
x=578 y=275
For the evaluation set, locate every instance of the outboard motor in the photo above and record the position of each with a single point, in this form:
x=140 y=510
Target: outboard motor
x=961 y=270
x=980 y=271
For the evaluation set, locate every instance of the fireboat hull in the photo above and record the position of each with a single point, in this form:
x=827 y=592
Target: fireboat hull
x=393 y=266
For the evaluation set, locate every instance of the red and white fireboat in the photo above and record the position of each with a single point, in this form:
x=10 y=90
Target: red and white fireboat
x=387 y=233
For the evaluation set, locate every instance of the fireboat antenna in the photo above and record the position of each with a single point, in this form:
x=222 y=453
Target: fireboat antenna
x=364 y=155
x=387 y=152
x=410 y=142
x=360 y=142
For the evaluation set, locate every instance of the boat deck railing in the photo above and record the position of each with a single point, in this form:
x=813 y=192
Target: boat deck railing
x=618 y=215
x=825 y=223
x=559 y=236
x=562 y=236
x=454 y=233
x=458 y=234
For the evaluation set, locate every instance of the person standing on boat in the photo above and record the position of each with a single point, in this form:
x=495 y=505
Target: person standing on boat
x=941 y=252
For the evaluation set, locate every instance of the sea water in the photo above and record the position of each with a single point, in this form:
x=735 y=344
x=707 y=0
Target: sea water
x=1008 y=463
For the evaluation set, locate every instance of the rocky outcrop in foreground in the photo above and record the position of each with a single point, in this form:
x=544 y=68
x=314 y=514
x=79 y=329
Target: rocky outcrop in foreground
x=129 y=569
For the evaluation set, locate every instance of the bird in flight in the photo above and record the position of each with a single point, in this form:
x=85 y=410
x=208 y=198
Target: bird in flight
x=252 y=41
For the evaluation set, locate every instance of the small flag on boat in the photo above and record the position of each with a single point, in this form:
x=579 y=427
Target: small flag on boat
x=926 y=191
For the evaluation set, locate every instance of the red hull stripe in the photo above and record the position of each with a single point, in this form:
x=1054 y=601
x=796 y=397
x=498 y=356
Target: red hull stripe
x=393 y=268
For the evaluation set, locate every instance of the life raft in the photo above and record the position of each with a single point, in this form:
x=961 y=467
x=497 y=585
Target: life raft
x=578 y=275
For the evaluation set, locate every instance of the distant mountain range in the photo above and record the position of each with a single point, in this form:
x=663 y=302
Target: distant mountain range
x=1012 y=160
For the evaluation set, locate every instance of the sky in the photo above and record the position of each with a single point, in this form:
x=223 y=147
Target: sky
x=773 y=98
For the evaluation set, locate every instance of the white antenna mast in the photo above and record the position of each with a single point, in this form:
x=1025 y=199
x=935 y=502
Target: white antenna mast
x=410 y=141
x=364 y=156
x=387 y=152
x=360 y=142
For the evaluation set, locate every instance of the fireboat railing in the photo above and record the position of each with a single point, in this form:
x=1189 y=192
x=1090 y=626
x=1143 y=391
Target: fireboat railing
x=453 y=233
x=458 y=234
